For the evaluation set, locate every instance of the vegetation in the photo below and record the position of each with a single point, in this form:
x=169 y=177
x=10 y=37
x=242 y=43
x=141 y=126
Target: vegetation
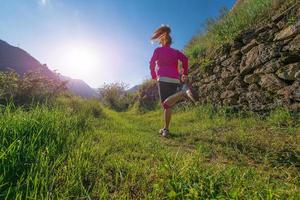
x=77 y=149
x=32 y=87
x=35 y=144
x=114 y=96
x=147 y=97
x=227 y=26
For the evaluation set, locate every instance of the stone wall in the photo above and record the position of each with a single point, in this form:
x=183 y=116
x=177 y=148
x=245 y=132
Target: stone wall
x=259 y=71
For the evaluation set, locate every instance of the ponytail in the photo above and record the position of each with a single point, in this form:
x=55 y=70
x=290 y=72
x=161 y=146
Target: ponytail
x=162 y=35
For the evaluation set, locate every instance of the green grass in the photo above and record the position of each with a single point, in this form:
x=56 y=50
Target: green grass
x=67 y=152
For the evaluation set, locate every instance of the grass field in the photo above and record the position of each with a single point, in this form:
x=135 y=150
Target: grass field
x=84 y=151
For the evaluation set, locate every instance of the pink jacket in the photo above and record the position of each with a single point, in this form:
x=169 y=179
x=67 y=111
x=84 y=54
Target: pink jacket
x=166 y=59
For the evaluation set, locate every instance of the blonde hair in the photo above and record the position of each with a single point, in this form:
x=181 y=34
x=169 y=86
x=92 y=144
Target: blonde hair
x=162 y=35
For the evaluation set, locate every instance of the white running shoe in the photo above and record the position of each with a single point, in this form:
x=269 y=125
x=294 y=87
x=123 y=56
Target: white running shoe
x=164 y=132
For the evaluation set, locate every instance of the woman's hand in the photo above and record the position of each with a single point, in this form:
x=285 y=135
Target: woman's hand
x=184 y=78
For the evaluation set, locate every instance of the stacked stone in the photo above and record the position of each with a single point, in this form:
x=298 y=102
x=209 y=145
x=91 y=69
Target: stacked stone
x=259 y=71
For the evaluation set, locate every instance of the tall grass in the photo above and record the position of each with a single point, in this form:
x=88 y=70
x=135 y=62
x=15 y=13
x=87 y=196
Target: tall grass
x=35 y=142
x=65 y=151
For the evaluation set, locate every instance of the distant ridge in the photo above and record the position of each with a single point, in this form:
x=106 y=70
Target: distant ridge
x=134 y=89
x=19 y=60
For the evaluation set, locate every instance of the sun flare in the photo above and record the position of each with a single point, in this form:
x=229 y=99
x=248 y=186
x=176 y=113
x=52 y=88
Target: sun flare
x=80 y=59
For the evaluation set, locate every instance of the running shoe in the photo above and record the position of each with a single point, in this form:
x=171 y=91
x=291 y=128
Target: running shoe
x=164 y=132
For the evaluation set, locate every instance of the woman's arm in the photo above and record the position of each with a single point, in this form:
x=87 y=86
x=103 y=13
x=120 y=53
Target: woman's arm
x=185 y=62
x=153 y=64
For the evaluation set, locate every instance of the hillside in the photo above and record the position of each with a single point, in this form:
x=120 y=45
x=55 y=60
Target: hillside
x=256 y=67
x=19 y=60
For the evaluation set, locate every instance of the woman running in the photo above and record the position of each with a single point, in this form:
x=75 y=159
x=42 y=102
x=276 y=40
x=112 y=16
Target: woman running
x=164 y=69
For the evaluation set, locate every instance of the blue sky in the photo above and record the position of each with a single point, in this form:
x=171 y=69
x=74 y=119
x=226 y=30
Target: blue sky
x=101 y=41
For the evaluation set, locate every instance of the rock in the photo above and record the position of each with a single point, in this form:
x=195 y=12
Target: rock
x=249 y=46
x=295 y=107
x=253 y=87
x=258 y=56
x=242 y=99
x=293 y=45
x=237 y=44
x=271 y=82
x=233 y=60
x=297 y=75
x=210 y=78
x=290 y=58
x=252 y=78
x=257 y=100
x=268 y=35
x=233 y=69
x=236 y=83
x=263 y=29
x=226 y=62
x=230 y=101
x=270 y=67
x=221 y=59
x=247 y=36
x=226 y=48
x=291 y=92
x=236 y=56
x=229 y=94
x=285 y=94
x=217 y=69
x=281 y=15
x=290 y=72
x=278 y=17
x=288 y=32
x=227 y=76
x=296 y=91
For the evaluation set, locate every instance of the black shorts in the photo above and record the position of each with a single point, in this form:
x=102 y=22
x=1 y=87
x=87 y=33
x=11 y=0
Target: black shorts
x=166 y=89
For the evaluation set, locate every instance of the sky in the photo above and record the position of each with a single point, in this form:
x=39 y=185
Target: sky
x=101 y=41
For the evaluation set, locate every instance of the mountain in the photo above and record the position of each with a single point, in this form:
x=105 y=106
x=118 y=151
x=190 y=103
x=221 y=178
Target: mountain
x=134 y=89
x=20 y=61
x=79 y=87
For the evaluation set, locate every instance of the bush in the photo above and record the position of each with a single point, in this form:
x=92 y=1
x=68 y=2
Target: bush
x=116 y=97
x=147 y=96
x=32 y=87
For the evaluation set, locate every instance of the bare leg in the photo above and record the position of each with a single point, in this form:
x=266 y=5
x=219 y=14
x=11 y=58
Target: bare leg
x=167 y=117
x=172 y=100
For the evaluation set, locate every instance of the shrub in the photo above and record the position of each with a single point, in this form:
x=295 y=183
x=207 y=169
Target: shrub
x=147 y=96
x=115 y=96
x=32 y=87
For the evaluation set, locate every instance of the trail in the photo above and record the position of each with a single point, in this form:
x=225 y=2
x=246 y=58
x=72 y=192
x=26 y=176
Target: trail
x=124 y=157
x=148 y=126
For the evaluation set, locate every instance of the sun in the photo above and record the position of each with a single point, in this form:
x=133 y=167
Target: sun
x=80 y=59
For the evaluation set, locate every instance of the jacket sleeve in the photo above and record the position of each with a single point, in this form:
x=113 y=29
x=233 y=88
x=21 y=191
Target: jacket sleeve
x=185 y=62
x=153 y=64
